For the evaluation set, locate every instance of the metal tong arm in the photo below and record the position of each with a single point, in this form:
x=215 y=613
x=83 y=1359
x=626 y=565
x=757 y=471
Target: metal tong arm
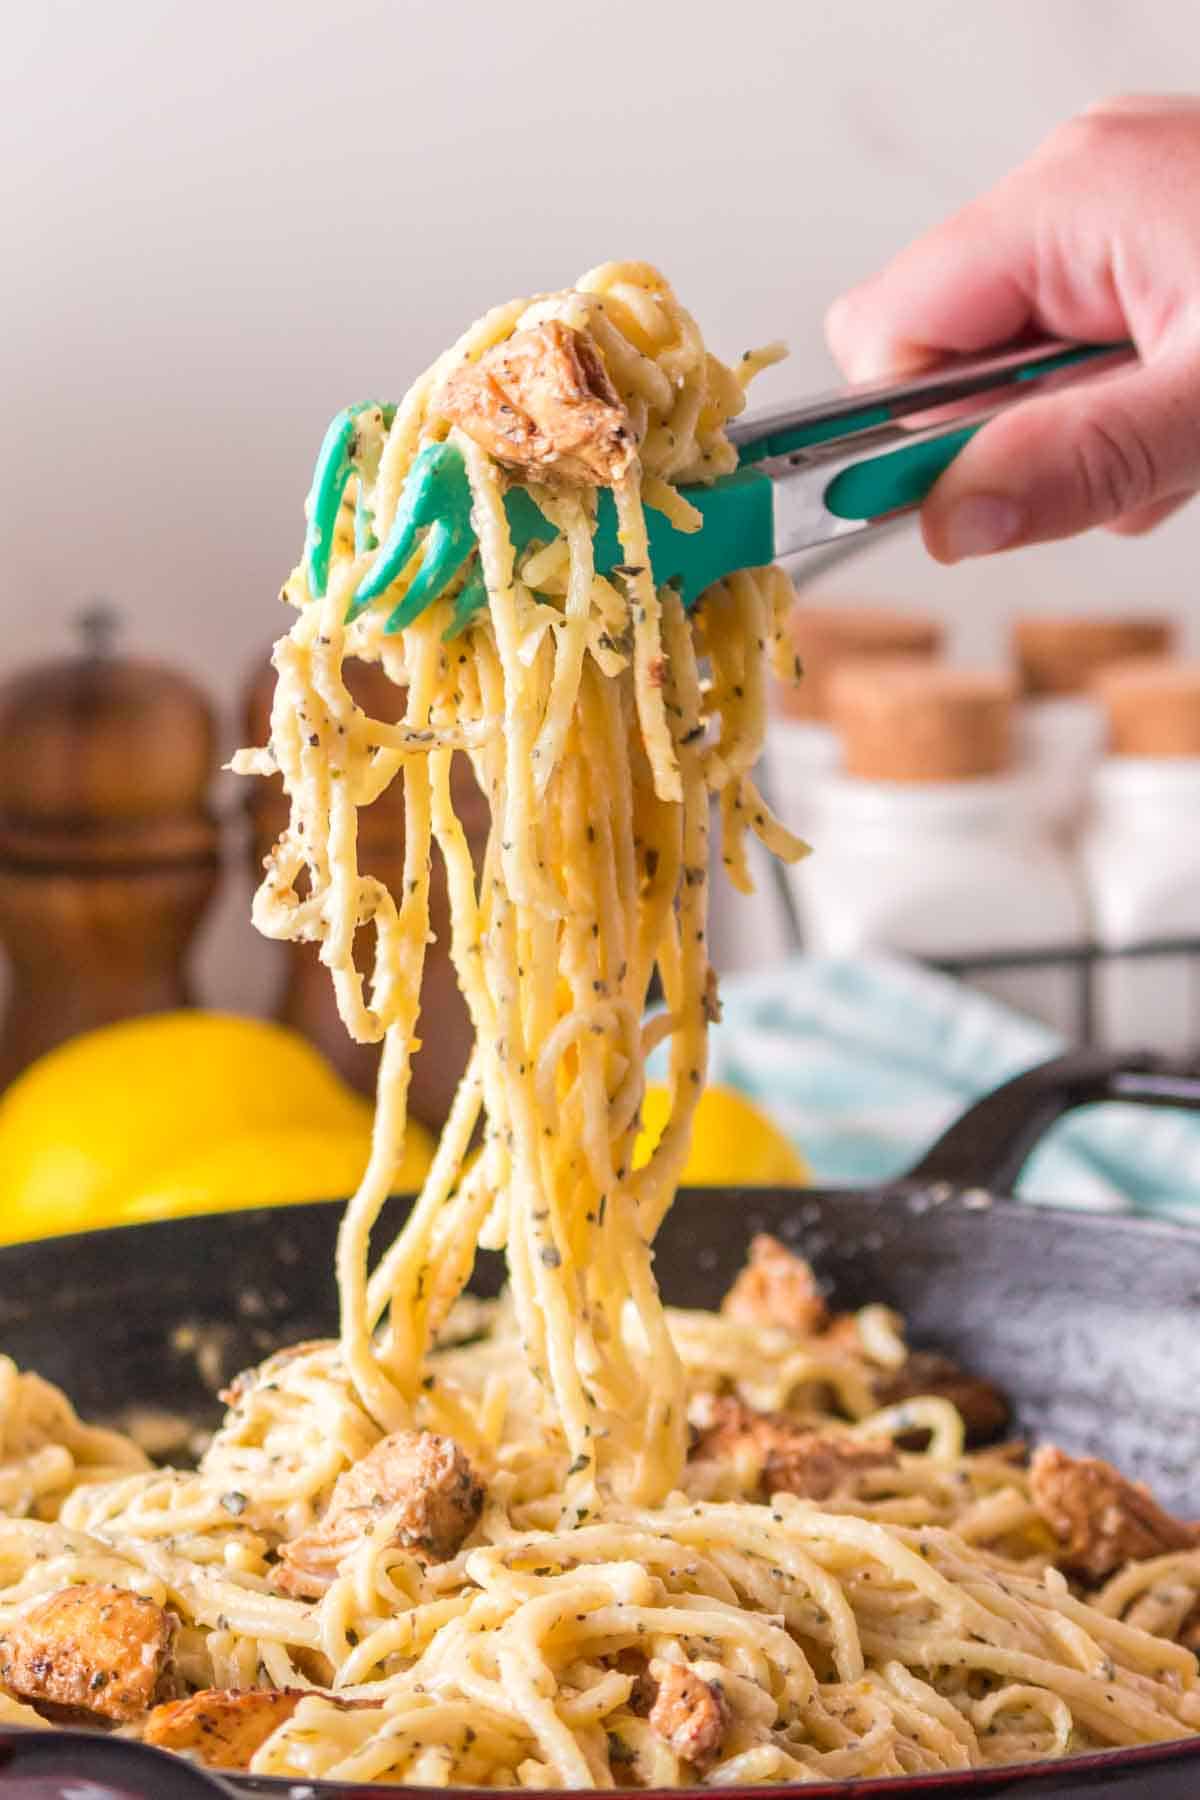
x=840 y=463
x=779 y=429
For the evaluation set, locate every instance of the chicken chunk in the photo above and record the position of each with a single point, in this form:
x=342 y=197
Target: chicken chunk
x=414 y=1489
x=1101 y=1520
x=985 y=1410
x=221 y=1727
x=246 y=1380
x=224 y=1727
x=841 y=1333
x=542 y=403
x=795 y=1460
x=817 y=1465
x=92 y=1648
x=778 y=1288
x=689 y=1714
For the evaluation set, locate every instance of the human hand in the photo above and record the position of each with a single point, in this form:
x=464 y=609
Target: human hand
x=1096 y=237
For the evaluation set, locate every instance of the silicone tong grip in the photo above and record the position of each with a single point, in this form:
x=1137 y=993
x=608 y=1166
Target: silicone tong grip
x=902 y=477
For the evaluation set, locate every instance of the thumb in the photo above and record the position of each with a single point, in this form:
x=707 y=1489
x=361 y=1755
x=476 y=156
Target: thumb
x=1063 y=462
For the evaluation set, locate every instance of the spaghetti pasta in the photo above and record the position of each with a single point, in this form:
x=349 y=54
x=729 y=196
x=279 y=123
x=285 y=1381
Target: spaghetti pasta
x=710 y=1546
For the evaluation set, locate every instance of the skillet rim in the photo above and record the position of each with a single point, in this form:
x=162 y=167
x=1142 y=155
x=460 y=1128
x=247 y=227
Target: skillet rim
x=1088 y=1770
x=911 y=1191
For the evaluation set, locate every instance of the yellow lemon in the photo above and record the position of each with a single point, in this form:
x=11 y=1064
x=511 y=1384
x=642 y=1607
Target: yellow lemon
x=95 y=1120
x=734 y=1143
x=272 y=1168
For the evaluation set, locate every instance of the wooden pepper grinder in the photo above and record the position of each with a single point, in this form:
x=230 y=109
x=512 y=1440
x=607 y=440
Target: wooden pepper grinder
x=108 y=849
x=307 y=1002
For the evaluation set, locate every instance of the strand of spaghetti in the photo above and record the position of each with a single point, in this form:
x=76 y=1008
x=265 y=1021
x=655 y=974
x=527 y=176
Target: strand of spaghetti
x=576 y=529
x=444 y=1171
x=751 y=629
x=403 y=1281
x=386 y=1400
x=525 y=881
x=1020 y=1694
x=753 y=362
x=655 y=1184
x=649 y=666
x=580 y=966
x=1095 y=1703
x=915 y=1706
x=605 y=723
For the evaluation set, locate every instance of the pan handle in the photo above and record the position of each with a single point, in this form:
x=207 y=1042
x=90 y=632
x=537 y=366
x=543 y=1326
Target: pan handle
x=989 y=1146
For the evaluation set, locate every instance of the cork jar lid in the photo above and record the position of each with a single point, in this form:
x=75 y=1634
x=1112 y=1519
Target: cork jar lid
x=913 y=721
x=1152 y=705
x=826 y=637
x=104 y=759
x=1058 y=654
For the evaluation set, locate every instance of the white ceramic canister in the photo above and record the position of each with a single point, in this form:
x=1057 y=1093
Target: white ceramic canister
x=1141 y=857
x=1059 y=727
x=752 y=931
x=927 y=845
x=802 y=745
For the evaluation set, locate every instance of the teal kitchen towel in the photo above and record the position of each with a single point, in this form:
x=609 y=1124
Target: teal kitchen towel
x=866 y=1062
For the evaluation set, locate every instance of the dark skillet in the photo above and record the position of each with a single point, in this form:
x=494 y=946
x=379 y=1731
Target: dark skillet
x=1091 y=1323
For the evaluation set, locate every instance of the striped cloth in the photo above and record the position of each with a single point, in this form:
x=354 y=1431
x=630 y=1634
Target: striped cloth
x=865 y=1062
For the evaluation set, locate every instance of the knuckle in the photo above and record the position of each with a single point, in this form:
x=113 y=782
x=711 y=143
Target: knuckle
x=1090 y=133
x=1115 y=105
x=1077 y=136
x=1115 y=466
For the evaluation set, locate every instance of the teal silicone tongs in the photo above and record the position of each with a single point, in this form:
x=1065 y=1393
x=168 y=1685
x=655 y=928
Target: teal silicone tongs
x=806 y=474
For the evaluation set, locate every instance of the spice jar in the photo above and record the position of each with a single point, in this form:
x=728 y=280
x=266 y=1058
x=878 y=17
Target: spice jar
x=108 y=846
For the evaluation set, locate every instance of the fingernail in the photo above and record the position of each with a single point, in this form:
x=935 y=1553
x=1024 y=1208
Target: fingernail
x=866 y=359
x=981 y=524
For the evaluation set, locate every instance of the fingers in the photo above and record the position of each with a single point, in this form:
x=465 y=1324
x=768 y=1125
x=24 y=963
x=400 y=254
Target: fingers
x=1121 y=448
x=1067 y=244
x=1095 y=238
x=1145 y=518
x=961 y=287
x=1143 y=106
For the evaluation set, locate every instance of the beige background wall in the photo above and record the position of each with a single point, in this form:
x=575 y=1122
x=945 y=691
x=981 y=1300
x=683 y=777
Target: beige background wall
x=221 y=222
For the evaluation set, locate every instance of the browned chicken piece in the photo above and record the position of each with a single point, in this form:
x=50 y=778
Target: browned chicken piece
x=542 y=402
x=246 y=1380
x=1189 y=1631
x=842 y=1333
x=985 y=1410
x=92 y=1648
x=641 y=1694
x=778 y=1288
x=689 y=1714
x=1101 y=1520
x=414 y=1489
x=223 y=1727
x=795 y=1460
x=816 y=1466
